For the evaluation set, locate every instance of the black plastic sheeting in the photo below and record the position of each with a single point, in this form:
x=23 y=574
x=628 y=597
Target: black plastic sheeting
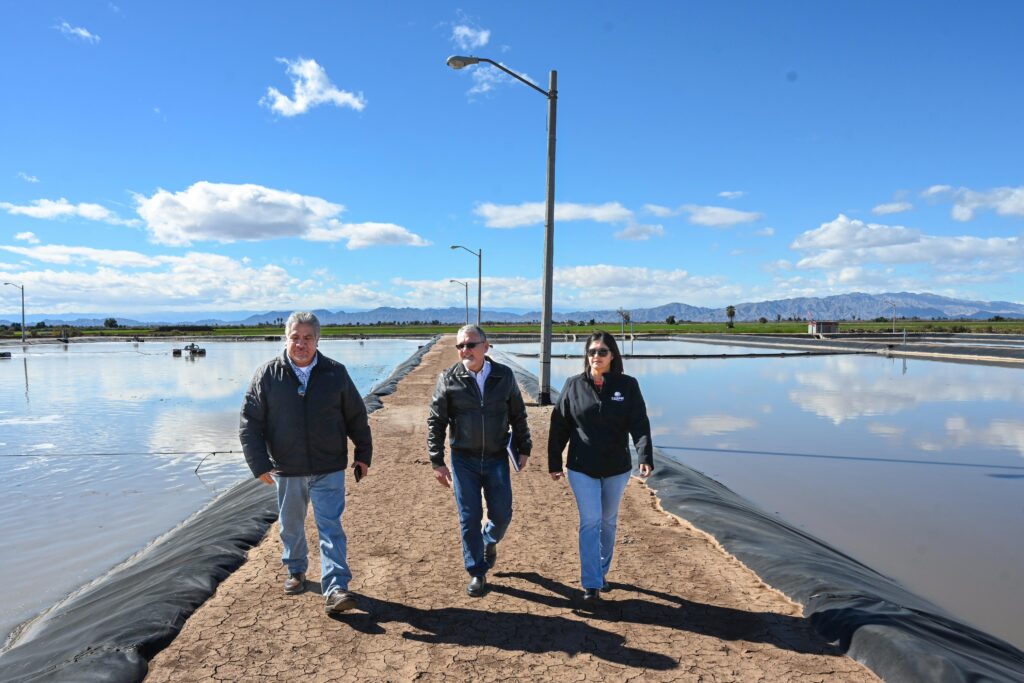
x=109 y=630
x=898 y=635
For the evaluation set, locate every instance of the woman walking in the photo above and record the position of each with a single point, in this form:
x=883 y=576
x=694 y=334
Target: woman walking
x=598 y=411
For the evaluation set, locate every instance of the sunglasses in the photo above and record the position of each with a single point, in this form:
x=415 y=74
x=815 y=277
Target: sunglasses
x=598 y=352
x=468 y=345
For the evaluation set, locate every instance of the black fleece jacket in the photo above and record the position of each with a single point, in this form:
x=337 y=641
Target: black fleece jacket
x=597 y=426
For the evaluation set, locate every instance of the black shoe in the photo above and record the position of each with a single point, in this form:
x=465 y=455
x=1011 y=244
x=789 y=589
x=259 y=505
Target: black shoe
x=591 y=596
x=606 y=587
x=491 y=554
x=477 y=587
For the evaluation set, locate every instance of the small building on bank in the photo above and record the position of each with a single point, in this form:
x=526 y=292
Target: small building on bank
x=822 y=327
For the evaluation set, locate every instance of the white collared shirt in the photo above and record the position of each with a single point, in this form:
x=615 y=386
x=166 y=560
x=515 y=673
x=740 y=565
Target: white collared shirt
x=481 y=376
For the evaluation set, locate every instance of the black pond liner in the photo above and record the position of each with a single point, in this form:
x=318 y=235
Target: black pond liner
x=110 y=629
x=895 y=633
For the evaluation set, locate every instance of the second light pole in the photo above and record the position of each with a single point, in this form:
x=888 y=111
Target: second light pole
x=466 y=285
x=479 y=276
x=460 y=62
x=22 y=288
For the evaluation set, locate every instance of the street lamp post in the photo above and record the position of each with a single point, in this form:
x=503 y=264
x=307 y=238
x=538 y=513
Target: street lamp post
x=479 y=276
x=459 y=62
x=22 y=288
x=466 y=285
x=893 y=304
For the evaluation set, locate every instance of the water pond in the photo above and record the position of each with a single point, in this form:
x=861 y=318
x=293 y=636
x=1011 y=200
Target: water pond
x=914 y=467
x=100 y=443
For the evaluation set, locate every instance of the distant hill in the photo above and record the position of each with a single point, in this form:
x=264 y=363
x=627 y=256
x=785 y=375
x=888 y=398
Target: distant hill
x=853 y=306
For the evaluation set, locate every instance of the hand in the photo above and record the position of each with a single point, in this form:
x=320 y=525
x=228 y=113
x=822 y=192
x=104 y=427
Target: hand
x=364 y=469
x=268 y=477
x=523 y=459
x=555 y=476
x=645 y=471
x=444 y=476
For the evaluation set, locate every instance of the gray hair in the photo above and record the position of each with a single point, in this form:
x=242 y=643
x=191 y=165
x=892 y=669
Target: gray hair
x=474 y=329
x=303 y=318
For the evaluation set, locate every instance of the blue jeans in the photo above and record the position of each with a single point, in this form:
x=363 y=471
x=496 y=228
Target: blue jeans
x=327 y=492
x=598 y=501
x=471 y=476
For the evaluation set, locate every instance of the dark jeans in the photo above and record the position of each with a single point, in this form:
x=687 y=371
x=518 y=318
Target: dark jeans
x=490 y=476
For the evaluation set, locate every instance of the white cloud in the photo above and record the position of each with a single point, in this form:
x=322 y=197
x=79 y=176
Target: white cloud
x=29 y=237
x=636 y=286
x=638 y=232
x=468 y=38
x=311 y=87
x=226 y=212
x=1005 y=201
x=892 y=207
x=713 y=425
x=27 y=178
x=77 y=32
x=846 y=233
x=847 y=242
x=936 y=190
x=765 y=232
x=61 y=254
x=734 y=194
x=62 y=208
x=658 y=210
x=362 y=235
x=719 y=216
x=532 y=213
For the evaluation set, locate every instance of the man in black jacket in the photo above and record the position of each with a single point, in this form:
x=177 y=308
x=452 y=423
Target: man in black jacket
x=299 y=412
x=477 y=400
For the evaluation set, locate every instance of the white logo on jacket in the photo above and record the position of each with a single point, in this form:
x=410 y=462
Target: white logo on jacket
x=617 y=396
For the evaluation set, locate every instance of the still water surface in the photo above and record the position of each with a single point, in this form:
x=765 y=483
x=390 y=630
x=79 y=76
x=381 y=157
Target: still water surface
x=99 y=443
x=915 y=468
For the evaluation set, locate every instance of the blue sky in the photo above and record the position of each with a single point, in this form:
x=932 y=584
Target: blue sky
x=261 y=156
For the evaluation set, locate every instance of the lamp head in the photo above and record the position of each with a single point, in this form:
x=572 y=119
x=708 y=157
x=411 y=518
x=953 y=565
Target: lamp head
x=460 y=62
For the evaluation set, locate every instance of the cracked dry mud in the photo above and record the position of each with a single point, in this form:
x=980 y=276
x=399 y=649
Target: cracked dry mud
x=681 y=609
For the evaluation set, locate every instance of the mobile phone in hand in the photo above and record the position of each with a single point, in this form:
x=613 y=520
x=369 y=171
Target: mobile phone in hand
x=357 y=472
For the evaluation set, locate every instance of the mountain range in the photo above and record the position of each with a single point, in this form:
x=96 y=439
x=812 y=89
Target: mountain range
x=853 y=306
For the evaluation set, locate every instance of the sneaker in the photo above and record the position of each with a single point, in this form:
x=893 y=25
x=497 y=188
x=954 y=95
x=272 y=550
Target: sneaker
x=295 y=583
x=339 y=601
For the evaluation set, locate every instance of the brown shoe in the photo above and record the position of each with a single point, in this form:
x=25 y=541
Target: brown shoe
x=339 y=601
x=295 y=583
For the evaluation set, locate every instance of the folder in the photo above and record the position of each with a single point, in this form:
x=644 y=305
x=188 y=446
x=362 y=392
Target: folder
x=513 y=452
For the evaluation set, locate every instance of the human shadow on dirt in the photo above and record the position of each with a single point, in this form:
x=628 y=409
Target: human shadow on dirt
x=671 y=611
x=512 y=631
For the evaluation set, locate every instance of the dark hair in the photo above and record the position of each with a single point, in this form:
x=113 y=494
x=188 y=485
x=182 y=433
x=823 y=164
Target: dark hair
x=609 y=341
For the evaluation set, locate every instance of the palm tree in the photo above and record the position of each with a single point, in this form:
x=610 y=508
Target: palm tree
x=730 y=313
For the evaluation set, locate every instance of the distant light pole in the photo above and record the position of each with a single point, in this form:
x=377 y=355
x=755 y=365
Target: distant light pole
x=466 y=285
x=22 y=288
x=479 y=276
x=893 y=304
x=459 y=62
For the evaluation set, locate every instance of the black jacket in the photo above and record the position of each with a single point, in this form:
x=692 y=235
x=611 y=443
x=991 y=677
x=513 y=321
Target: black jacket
x=303 y=435
x=478 y=428
x=597 y=426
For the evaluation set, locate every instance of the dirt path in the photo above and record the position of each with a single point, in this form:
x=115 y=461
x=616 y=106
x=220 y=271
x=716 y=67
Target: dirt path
x=680 y=609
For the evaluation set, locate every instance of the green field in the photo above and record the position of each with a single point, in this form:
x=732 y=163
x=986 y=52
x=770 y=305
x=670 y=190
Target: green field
x=784 y=327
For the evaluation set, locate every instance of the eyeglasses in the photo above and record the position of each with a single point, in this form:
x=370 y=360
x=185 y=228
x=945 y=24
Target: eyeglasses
x=468 y=345
x=598 y=352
